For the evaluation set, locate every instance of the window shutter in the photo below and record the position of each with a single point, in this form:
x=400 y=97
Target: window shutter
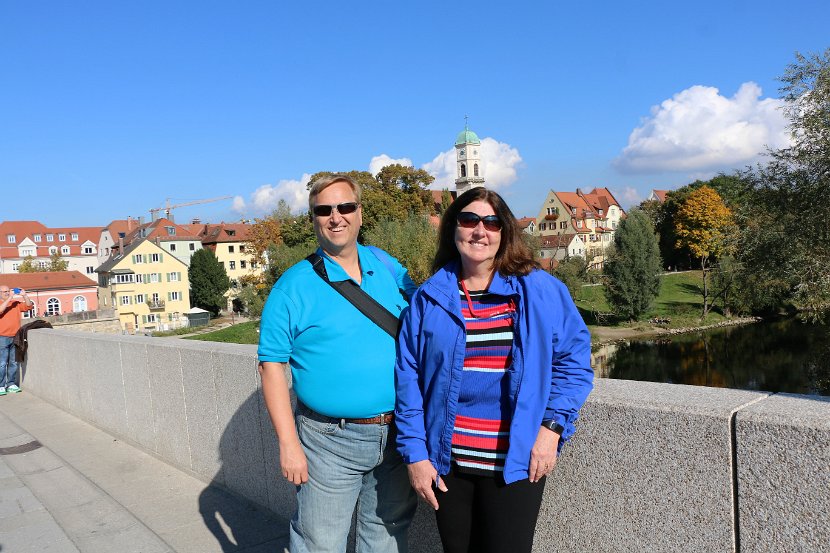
x=179 y=276
x=144 y=319
x=167 y=276
x=161 y=257
x=169 y=296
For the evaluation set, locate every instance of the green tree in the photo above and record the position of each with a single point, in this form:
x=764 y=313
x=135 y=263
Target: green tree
x=632 y=271
x=446 y=200
x=208 y=281
x=412 y=241
x=705 y=225
x=573 y=272
x=253 y=300
x=785 y=242
x=56 y=264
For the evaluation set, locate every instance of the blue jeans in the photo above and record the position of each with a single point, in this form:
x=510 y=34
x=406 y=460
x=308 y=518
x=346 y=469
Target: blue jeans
x=8 y=363
x=351 y=465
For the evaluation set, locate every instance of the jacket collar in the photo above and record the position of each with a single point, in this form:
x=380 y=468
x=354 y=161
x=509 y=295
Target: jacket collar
x=443 y=285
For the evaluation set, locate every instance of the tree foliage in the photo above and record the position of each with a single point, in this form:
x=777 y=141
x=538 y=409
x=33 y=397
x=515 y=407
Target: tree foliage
x=633 y=269
x=705 y=226
x=208 y=281
x=412 y=241
x=56 y=264
x=573 y=272
x=786 y=242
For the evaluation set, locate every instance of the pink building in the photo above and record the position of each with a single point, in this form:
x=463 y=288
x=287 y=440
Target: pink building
x=56 y=293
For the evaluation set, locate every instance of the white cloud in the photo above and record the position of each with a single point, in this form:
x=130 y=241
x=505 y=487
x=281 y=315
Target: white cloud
x=379 y=162
x=698 y=129
x=499 y=162
x=628 y=196
x=265 y=198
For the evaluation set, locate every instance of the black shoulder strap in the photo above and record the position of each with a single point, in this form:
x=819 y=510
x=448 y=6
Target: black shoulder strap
x=364 y=303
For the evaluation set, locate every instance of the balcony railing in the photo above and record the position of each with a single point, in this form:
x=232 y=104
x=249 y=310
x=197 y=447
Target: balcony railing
x=155 y=304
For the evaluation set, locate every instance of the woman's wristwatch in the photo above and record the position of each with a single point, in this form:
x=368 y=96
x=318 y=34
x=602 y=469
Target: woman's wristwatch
x=551 y=424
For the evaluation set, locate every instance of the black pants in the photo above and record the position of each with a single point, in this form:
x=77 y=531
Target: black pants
x=482 y=514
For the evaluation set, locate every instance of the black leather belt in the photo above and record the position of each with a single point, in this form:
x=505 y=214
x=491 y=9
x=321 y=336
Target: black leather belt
x=383 y=418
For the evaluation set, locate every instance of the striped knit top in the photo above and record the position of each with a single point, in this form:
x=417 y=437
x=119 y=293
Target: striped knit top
x=481 y=434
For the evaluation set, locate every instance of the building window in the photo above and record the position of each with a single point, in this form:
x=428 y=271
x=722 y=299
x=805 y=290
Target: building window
x=74 y=236
x=192 y=246
x=123 y=278
x=231 y=232
x=171 y=231
x=50 y=237
x=139 y=299
x=463 y=170
x=65 y=250
x=15 y=266
x=542 y=226
x=11 y=238
x=175 y=296
x=36 y=237
x=125 y=300
x=53 y=306
x=43 y=264
x=173 y=277
x=61 y=237
x=155 y=277
x=563 y=225
x=79 y=304
x=155 y=258
x=230 y=249
x=241 y=248
x=90 y=269
x=172 y=247
x=53 y=250
x=242 y=264
x=232 y=264
x=26 y=252
x=253 y=264
x=475 y=169
x=89 y=250
x=137 y=258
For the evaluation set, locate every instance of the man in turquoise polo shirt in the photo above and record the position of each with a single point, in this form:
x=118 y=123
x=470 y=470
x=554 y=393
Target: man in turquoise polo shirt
x=339 y=449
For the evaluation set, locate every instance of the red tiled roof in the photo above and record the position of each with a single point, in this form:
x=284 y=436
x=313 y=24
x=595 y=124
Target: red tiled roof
x=28 y=229
x=157 y=230
x=661 y=195
x=524 y=222
x=225 y=232
x=47 y=280
x=557 y=240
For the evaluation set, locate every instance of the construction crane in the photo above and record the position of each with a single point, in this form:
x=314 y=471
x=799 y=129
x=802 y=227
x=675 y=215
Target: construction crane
x=154 y=213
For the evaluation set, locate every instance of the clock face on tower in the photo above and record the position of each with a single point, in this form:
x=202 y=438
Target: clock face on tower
x=462 y=152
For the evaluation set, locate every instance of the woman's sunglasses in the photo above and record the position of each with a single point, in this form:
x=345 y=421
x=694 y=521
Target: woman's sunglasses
x=467 y=219
x=342 y=209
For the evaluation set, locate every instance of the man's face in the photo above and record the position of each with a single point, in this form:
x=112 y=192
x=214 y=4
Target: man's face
x=4 y=293
x=337 y=232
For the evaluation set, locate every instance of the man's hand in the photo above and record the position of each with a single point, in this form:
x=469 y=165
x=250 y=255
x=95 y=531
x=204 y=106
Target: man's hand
x=543 y=454
x=422 y=476
x=293 y=463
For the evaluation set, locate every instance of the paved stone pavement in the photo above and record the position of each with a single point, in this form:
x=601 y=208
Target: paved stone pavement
x=66 y=486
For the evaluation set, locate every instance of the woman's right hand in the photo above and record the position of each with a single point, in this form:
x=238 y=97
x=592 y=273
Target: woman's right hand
x=422 y=477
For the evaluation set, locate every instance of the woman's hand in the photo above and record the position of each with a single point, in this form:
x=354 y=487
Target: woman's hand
x=422 y=476
x=543 y=454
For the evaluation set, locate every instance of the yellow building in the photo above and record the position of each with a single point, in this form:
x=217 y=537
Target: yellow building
x=147 y=286
x=228 y=242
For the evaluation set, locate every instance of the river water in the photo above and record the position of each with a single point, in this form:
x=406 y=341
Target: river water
x=780 y=356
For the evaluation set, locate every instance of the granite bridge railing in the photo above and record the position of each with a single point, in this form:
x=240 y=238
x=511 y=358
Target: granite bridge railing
x=652 y=468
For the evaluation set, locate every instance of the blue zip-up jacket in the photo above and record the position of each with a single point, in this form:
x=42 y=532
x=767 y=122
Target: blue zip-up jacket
x=550 y=378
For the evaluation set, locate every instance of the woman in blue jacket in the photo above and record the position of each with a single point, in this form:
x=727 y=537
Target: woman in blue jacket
x=493 y=367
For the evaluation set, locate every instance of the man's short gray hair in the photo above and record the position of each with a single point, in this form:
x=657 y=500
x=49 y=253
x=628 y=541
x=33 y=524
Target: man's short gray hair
x=324 y=182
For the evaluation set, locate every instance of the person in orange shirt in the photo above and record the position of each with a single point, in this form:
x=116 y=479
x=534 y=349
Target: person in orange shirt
x=12 y=304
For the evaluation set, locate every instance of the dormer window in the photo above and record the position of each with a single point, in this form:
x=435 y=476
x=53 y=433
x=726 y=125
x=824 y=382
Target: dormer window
x=65 y=250
x=11 y=238
x=231 y=232
x=122 y=235
x=171 y=231
x=61 y=237
x=74 y=236
x=53 y=250
x=50 y=237
x=37 y=237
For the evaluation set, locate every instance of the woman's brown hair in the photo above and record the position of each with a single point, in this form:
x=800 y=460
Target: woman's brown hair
x=514 y=257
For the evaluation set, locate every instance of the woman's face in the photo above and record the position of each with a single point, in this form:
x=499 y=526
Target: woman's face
x=477 y=245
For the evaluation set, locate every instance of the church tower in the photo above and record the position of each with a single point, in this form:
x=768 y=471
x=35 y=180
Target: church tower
x=468 y=161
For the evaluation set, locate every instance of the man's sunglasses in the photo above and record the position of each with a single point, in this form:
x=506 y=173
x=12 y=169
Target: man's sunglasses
x=342 y=209
x=467 y=219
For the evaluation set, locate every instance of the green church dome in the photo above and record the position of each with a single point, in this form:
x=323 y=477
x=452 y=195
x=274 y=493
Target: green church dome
x=467 y=137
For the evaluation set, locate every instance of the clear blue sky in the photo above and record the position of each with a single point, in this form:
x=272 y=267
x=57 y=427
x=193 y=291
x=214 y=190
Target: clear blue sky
x=108 y=108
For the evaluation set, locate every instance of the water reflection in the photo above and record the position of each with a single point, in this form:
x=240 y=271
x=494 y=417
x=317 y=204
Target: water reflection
x=781 y=356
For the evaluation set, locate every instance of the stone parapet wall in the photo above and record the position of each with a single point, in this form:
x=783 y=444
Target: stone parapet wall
x=653 y=467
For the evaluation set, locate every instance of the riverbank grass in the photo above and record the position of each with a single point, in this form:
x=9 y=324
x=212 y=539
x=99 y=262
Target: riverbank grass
x=680 y=302
x=242 y=333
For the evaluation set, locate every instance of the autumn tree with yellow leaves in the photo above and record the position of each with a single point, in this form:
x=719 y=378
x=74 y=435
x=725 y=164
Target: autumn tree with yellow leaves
x=706 y=227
